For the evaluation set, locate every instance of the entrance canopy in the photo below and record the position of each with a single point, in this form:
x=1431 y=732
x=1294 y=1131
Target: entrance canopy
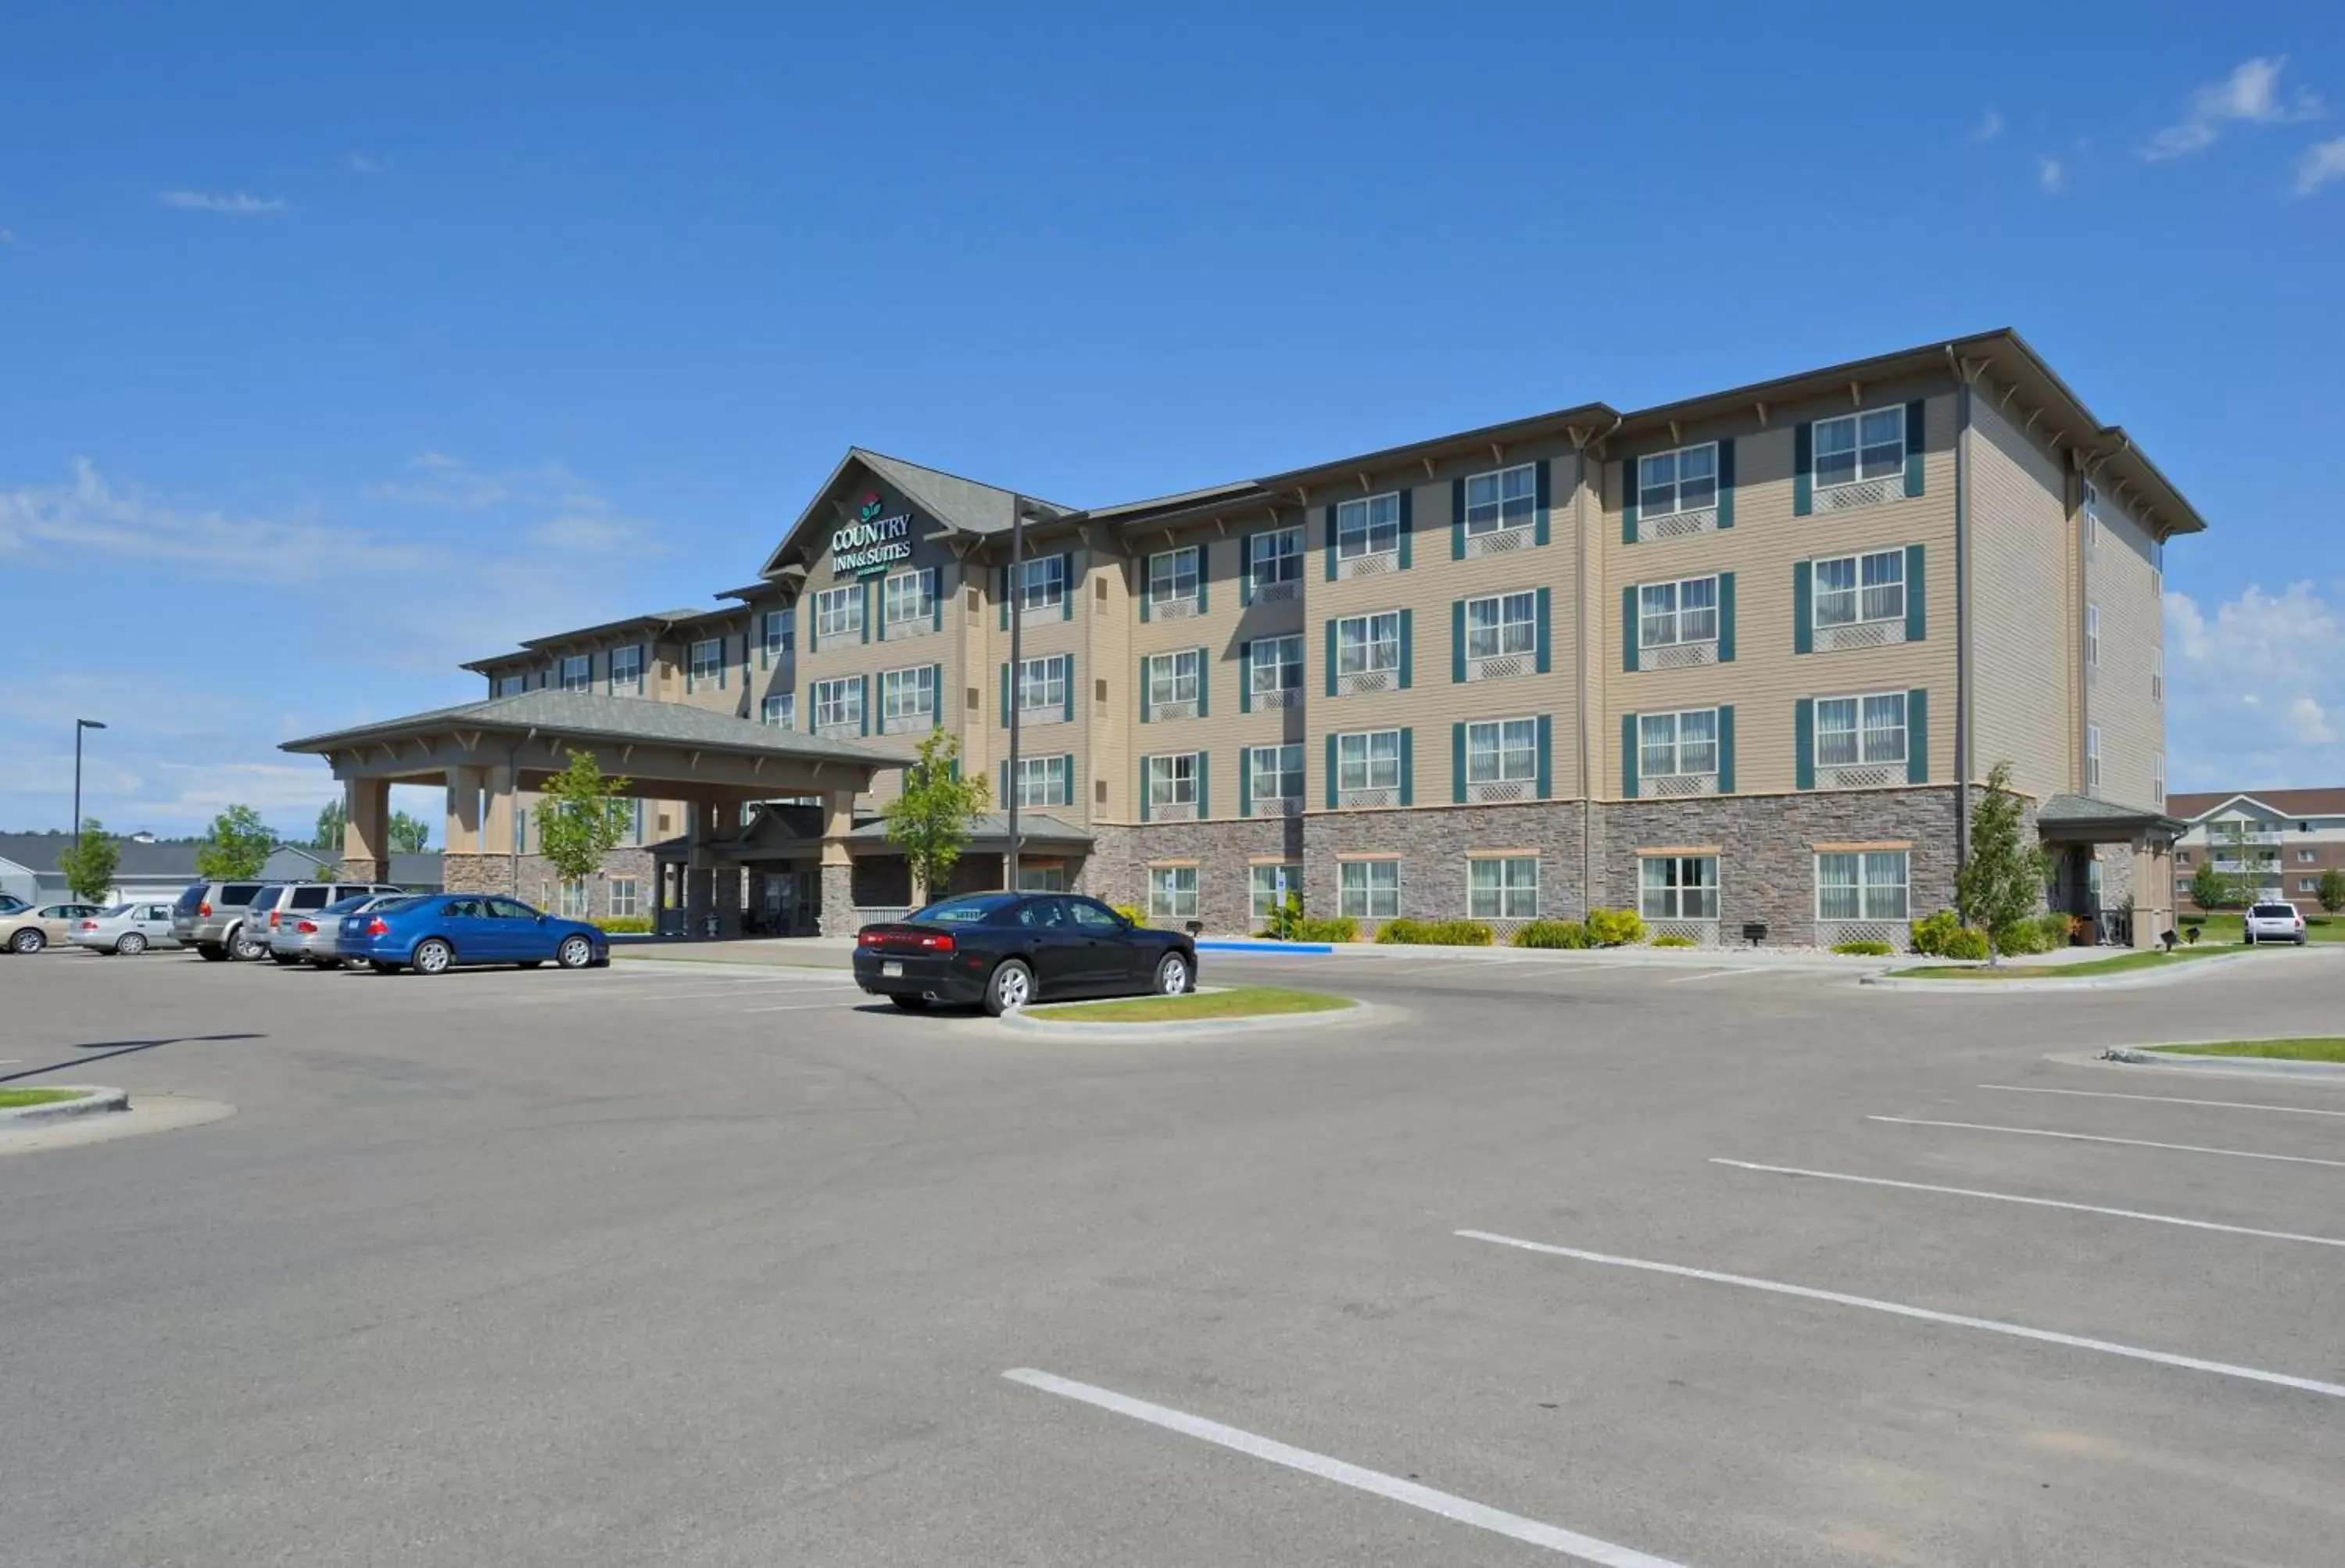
x=2088 y=819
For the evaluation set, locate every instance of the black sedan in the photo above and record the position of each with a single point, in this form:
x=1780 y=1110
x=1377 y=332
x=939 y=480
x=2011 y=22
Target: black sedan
x=1003 y=951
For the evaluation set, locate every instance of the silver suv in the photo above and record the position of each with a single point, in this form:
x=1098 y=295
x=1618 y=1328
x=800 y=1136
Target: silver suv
x=278 y=905
x=2273 y=922
x=209 y=918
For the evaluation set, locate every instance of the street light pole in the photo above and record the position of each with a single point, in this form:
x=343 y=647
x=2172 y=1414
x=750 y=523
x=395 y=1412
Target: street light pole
x=1016 y=649
x=79 y=725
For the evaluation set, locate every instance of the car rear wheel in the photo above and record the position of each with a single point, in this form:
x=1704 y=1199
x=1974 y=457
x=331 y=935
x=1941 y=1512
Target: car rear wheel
x=288 y=959
x=380 y=967
x=29 y=940
x=575 y=952
x=131 y=943
x=433 y=956
x=1012 y=988
x=325 y=963
x=242 y=947
x=1172 y=975
x=909 y=1003
x=210 y=952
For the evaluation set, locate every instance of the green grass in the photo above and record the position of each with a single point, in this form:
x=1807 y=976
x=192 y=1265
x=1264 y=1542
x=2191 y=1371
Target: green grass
x=2124 y=964
x=2224 y=928
x=1242 y=1001
x=2316 y=1049
x=17 y=1099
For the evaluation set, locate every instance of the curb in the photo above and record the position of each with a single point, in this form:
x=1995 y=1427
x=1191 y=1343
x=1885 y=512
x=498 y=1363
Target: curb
x=2235 y=1066
x=1019 y=1023
x=2108 y=982
x=94 y=1101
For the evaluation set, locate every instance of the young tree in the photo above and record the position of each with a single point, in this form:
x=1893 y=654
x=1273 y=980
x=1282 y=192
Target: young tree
x=89 y=865
x=932 y=821
x=1998 y=887
x=2331 y=892
x=237 y=848
x=581 y=815
x=332 y=818
x=2210 y=890
x=408 y=835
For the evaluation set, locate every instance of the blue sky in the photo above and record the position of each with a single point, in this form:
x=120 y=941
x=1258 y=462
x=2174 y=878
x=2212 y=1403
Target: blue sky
x=396 y=335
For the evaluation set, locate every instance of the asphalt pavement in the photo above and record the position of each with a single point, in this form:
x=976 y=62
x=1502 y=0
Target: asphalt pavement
x=1677 y=1267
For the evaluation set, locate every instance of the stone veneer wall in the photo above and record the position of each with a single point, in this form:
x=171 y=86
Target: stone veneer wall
x=538 y=885
x=1117 y=869
x=1433 y=843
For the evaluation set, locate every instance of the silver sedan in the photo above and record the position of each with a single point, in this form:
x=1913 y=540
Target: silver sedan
x=124 y=929
x=316 y=934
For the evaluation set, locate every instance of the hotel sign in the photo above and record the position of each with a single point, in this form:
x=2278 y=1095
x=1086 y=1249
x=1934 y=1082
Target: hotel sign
x=871 y=543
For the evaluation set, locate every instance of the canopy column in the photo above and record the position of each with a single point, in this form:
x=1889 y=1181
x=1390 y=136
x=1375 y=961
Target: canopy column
x=366 y=832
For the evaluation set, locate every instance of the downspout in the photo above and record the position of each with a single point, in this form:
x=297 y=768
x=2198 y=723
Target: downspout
x=1580 y=658
x=1963 y=690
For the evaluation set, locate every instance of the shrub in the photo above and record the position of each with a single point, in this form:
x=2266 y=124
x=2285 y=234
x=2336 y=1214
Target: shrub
x=1863 y=949
x=1968 y=943
x=1615 y=928
x=1285 y=918
x=1435 y=933
x=1931 y=935
x=1551 y=934
x=1324 y=928
x=1674 y=939
x=1132 y=912
x=624 y=925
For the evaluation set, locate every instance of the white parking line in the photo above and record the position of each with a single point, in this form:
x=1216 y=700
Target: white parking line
x=802 y=1007
x=2033 y=1202
x=2164 y=1100
x=1718 y=975
x=2098 y=1138
x=1571 y=1543
x=1922 y=1314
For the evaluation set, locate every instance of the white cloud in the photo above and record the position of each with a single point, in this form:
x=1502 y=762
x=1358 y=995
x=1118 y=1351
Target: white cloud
x=361 y=164
x=236 y=204
x=601 y=533
x=2255 y=689
x=1990 y=125
x=2322 y=162
x=2050 y=175
x=7 y=237
x=2250 y=94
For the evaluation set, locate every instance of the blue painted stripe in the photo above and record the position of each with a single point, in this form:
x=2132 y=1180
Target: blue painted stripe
x=1263 y=947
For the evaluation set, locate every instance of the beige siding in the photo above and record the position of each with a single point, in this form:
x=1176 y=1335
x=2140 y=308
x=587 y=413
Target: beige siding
x=2119 y=573
x=1045 y=634
x=2024 y=627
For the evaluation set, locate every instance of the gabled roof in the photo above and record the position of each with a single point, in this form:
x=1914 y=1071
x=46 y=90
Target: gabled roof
x=594 y=716
x=2083 y=819
x=965 y=505
x=2300 y=803
x=990 y=830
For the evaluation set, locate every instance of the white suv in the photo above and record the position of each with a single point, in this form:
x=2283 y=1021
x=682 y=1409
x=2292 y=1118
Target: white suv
x=2274 y=923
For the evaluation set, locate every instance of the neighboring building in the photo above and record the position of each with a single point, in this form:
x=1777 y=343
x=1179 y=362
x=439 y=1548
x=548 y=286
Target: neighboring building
x=1724 y=661
x=2288 y=838
x=146 y=869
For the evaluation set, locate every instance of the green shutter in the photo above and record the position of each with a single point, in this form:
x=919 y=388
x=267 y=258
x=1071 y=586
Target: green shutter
x=1627 y=757
x=867 y=705
x=1803 y=470
x=1067 y=586
x=813 y=632
x=1143 y=788
x=1407 y=643
x=1204 y=786
x=1005 y=780
x=1539 y=504
x=1408 y=766
x=1331 y=658
x=1628 y=501
x=1913 y=420
x=1001 y=577
x=1803 y=607
x=1204 y=580
x=1246 y=569
x=1917 y=735
x=1005 y=694
x=1142 y=566
x=1541 y=658
x=1246 y=781
x=1726 y=483
x=1457 y=764
x=1456 y=642
x=1144 y=716
x=1546 y=786
x=1067 y=710
x=870 y=613
x=1628 y=629
x=1726 y=748
x=1205 y=680
x=1331 y=546
x=936 y=598
x=1803 y=727
x=1408 y=524
x=1726 y=617
x=1458 y=519
x=1245 y=678
x=1331 y=772
x=936 y=697
x=1917 y=599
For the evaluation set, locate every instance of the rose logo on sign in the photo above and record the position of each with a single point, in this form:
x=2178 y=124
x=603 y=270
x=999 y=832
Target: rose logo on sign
x=871 y=543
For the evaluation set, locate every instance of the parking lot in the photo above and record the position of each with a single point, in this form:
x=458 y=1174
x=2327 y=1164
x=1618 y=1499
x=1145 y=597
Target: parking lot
x=1639 y=1266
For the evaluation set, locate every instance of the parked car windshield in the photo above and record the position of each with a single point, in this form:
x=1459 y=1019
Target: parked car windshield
x=975 y=910
x=392 y=906
x=346 y=906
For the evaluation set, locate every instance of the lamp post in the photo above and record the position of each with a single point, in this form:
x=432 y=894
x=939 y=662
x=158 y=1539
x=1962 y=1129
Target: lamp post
x=79 y=725
x=1017 y=648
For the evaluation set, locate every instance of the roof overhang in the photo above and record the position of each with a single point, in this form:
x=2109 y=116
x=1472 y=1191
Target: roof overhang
x=1584 y=424
x=2086 y=819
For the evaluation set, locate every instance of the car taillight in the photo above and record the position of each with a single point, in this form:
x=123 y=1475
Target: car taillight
x=204 y=909
x=307 y=927
x=870 y=939
x=937 y=944
x=376 y=927
x=272 y=920
x=89 y=925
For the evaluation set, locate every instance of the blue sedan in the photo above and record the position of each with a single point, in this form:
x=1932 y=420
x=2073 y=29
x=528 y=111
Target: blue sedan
x=439 y=931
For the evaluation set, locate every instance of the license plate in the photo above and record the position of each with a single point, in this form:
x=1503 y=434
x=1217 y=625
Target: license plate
x=892 y=967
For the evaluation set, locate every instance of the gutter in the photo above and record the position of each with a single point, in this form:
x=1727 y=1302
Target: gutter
x=1962 y=687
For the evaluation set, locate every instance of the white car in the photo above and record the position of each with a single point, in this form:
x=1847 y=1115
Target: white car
x=2273 y=922
x=124 y=929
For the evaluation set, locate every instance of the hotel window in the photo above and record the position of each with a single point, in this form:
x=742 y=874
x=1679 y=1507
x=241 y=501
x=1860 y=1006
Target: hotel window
x=635 y=822
x=1268 y=888
x=1369 y=527
x=624 y=898
x=574 y=900
x=1172 y=782
x=578 y=672
x=1171 y=892
x=1173 y=576
x=908 y=600
x=1669 y=614
x=1045 y=584
x=1274 y=557
x=521 y=831
x=780 y=711
x=839 y=612
x=2157 y=568
x=1504 y=888
x=838 y=704
x=1053 y=879
x=1043 y=781
x=1043 y=682
x=1854 y=730
x=1275 y=664
x=1868 y=884
x=2091 y=510
x=1495 y=627
x=2158 y=778
x=1370 y=889
x=1275 y=773
x=779 y=632
x=1507 y=499
x=2308 y=884
x=1502 y=751
x=706 y=668
x=907 y=697
x=1369 y=760
x=2092 y=636
x=1368 y=644
x=1678 y=887
x=1856 y=447
x=2157 y=675
x=1853 y=589
x=2305 y=856
x=1669 y=744
x=1173 y=678
x=2092 y=757
x=1685 y=480
x=512 y=685
x=627 y=671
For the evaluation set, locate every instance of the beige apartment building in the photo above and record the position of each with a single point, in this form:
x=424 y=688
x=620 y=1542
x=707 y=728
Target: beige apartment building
x=1730 y=661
